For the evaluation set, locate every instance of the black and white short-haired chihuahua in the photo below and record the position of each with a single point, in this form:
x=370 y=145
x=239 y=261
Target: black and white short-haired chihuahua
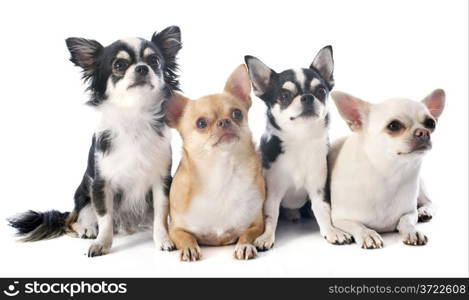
x=294 y=147
x=125 y=186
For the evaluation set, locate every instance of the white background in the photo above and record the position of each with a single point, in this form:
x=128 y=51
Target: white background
x=382 y=49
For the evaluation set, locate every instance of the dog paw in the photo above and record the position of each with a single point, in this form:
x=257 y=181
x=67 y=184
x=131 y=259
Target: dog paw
x=245 y=251
x=425 y=214
x=415 y=238
x=264 y=242
x=337 y=237
x=98 y=249
x=370 y=239
x=191 y=253
x=163 y=243
x=85 y=232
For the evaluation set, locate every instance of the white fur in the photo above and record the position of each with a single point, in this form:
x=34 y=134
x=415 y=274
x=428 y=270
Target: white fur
x=228 y=200
x=299 y=172
x=373 y=187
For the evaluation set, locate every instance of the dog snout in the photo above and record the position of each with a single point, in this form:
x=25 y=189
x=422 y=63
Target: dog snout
x=141 y=70
x=422 y=134
x=224 y=123
x=307 y=99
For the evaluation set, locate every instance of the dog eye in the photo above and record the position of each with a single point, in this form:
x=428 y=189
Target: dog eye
x=201 y=123
x=120 y=65
x=237 y=114
x=153 y=61
x=321 y=93
x=395 y=126
x=285 y=96
x=429 y=123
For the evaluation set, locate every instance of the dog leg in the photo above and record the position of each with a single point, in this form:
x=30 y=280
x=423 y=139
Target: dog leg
x=410 y=235
x=244 y=247
x=365 y=237
x=186 y=243
x=424 y=204
x=322 y=212
x=271 y=213
x=102 y=199
x=160 y=222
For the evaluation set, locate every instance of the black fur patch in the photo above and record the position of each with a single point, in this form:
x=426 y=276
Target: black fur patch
x=103 y=142
x=35 y=226
x=98 y=195
x=167 y=184
x=270 y=150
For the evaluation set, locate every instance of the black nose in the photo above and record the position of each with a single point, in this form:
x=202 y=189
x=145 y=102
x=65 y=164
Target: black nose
x=422 y=134
x=141 y=70
x=224 y=123
x=307 y=99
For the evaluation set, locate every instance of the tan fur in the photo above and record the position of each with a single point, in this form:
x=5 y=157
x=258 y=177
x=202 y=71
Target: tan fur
x=206 y=147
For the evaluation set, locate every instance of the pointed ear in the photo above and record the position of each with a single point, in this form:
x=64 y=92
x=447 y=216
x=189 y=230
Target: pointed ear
x=169 y=41
x=324 y=64
x=238 y=85
x=175 y=109
x=259 y=73
x=353 y=110
x=84 y=53
x=435 y=102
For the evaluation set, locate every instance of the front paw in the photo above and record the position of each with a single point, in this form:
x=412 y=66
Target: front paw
x=425 y=214
x=245 y=251
x=163 y=243
x=98 y=249
x=370 y=239
x=415 y=238
x=191 y=253
x=337 y=237
x=264 y=242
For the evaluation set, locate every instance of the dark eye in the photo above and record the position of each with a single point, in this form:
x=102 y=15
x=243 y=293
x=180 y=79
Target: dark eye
x=285 y=96
x=120 y=65
x=395 y=126
x=201 y=123
x=237 y=114
x=153 y=61
x=429 y=123
x=321 y=93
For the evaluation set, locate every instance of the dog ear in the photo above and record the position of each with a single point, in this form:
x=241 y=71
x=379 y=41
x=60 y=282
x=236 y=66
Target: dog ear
x=84 y=53
x=239 y=85
x=353 y=110
x=175 y=106
x=259 y=73
x=435 y=102
x=324 y=64
x=169 y=41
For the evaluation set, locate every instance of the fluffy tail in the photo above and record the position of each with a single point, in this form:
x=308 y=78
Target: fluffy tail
x=34 y=226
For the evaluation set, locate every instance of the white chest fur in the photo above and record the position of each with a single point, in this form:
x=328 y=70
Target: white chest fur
x=138 y=158
x=300 y=169
x=376 y=196
x=227 y=203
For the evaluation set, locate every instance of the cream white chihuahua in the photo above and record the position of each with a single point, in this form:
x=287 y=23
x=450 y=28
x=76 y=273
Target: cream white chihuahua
x=375 y=172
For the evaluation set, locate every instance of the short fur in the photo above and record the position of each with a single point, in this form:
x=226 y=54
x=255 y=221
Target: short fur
x=375 y=179
x=218 y=190
x=125 y=184
x=295 y=145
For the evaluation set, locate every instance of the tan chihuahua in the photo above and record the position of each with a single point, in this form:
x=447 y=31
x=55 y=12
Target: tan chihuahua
x=218 y=191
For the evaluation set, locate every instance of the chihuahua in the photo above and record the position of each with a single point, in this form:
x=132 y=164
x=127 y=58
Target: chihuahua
x=375 y=172
x=218 y=191
x=295 y=145
x=126 y=183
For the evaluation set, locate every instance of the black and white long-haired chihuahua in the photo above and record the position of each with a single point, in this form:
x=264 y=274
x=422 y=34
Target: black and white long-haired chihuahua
x=295 y=146
x=125 y=186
